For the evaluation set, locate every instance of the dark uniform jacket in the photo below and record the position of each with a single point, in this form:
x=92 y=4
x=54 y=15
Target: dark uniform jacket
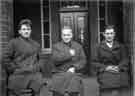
x=23 y=63
x=23 y=54
x=62 y=60
x=105 y=56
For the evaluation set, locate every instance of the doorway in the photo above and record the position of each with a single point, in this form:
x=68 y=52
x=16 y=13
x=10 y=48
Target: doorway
x=78 y=22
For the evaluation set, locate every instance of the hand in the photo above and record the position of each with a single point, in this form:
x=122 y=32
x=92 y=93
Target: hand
x=108 y=68
x=72 y=70
x=112 y=68
x=72 y=52
x=116 y=68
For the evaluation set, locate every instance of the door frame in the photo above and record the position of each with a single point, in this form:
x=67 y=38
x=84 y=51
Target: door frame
x=72 y=11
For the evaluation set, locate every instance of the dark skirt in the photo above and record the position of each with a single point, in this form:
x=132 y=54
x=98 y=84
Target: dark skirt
x=113 y=80
x=116 y=92
x=66 y=82
x=17 y=82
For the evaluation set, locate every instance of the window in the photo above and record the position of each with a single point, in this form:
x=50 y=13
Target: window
x=110 y=13
x=73 y=4
x=45 y=26
x=102 y=17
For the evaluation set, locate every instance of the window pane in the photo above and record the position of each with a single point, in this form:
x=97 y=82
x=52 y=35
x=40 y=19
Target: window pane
x=46 y=12
x=102 y=9
x=46 y=27
x=73 y=3
x=102 y=25
x=46 y=2
x=46 y=41
x=102 y=28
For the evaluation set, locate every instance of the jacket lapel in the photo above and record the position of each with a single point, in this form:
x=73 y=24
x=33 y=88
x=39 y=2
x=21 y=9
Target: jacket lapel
x=29 y=44
x=115 y=46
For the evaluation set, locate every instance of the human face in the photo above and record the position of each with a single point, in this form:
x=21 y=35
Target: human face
x=109 y=35
x=67 y=35
x=25 y=31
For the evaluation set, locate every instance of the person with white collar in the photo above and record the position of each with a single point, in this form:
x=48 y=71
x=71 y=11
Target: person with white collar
x=111 y=62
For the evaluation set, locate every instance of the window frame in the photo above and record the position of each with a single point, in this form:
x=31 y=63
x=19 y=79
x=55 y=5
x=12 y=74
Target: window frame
x=46 y=50
x=102 y=18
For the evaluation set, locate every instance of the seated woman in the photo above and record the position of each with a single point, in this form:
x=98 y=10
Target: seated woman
x=68 y=57
x=111 y=62
x=23 y=61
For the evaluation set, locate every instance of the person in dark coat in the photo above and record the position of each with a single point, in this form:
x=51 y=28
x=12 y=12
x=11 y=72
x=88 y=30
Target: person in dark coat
x=111 y=62
x=68 y=58
x=23 y=61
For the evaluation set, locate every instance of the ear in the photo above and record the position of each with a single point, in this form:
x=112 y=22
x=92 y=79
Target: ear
x=19 y=31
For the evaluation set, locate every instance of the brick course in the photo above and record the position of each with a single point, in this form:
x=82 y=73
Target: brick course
x=6 y=29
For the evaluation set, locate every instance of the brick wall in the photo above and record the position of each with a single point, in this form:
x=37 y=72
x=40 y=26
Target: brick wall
x=129 y=33
x=6 y=31
x=133 y=42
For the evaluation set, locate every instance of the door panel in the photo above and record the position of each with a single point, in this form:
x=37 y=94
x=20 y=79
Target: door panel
x=66 y=20
x=81 y=34
x=78 y=22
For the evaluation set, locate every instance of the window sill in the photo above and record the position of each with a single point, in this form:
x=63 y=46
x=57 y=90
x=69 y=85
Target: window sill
x=46 y=50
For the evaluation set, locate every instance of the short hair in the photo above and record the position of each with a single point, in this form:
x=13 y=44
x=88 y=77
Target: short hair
x=109 y=27
x=26 y=22
x=66 y=28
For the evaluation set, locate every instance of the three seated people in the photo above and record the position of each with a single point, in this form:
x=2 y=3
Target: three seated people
x=68 y=58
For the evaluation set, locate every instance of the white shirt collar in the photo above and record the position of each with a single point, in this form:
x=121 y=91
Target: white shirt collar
x=109 y=44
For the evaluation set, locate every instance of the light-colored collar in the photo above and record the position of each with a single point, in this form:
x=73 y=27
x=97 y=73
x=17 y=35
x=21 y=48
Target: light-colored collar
x=110 y=45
